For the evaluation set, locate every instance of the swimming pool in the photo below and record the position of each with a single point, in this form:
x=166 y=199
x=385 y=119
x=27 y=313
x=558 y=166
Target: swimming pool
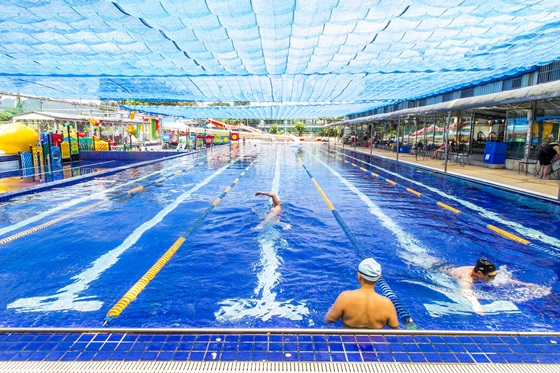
x=12 y=179
x=227 y=274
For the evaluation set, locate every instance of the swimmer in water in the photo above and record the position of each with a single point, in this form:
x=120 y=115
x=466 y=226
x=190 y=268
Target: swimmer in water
x=484 y=271
x=364 y=308
x=272 y=216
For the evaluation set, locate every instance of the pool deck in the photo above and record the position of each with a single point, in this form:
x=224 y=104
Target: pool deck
x=503 y=177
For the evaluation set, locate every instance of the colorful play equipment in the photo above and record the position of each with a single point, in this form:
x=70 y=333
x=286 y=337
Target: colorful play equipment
x=86 y=143
x=65 y=150
x=100 y=145
x=40 y=155
x=199 y=142
x=16 y=138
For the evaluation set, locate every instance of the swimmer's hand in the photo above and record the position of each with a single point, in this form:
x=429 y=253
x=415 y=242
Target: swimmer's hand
x=259 y=194
x=471 y=296
x=478 y=309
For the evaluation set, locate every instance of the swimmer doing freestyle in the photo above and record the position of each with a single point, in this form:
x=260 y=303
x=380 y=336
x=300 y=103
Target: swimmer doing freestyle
x=273 y=215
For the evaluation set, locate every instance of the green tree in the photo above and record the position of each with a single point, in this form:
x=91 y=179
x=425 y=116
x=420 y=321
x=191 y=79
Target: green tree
x=157 y=103
x=7 y=114
x=273 y=129
x=299 y=127
x=329 y=120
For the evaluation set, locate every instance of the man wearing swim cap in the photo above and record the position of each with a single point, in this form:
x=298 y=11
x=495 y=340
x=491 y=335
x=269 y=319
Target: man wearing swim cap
x=364 y=308
x=484 y=270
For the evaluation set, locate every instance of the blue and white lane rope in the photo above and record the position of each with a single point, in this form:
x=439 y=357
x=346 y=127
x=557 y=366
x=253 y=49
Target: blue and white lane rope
x=402 y=313
x=137 y=288
x=461 y=214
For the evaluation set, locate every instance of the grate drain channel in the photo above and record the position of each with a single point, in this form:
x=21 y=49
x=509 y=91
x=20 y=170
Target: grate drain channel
x=266 y=367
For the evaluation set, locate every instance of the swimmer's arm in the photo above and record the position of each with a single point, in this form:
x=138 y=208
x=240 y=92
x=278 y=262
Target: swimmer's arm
x=393 y=321
x=275 y=201
x=471 y=297
x=336 y=311
x=466 y=291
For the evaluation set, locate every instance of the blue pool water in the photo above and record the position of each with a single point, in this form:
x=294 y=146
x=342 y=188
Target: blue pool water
x=13 y=178
x=228 y=274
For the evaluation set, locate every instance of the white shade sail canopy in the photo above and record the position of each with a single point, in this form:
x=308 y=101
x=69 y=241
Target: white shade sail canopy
x=356 y=54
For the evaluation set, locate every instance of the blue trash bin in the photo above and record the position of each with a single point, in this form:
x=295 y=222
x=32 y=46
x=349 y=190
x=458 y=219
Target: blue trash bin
x=495 y=152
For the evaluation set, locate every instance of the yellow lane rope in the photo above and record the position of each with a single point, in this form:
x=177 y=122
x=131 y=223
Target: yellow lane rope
x=37 y=228
x=131 y=294
x=501 y=232
x=27 y=232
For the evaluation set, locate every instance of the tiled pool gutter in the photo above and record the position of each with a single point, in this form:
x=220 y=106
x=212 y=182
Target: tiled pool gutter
x=228 y=350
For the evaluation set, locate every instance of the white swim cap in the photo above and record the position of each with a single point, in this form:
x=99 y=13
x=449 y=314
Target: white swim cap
x=370 y=269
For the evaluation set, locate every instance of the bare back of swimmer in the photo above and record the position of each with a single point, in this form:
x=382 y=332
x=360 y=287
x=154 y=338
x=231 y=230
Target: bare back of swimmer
x=272 y=215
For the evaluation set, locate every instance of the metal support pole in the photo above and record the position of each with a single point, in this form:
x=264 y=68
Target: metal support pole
x=425 y=138
x=416 y=137
x=530 y=123
x=398 y=136
x=371 y=140
x=328 y=140
x=446 y=139
x=355 y=138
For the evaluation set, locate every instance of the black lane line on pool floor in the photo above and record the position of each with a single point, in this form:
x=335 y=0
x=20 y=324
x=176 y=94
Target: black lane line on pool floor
x=402 y=313
x=131 y=294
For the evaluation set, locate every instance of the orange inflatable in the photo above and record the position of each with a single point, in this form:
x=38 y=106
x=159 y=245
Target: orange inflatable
x=17 y=137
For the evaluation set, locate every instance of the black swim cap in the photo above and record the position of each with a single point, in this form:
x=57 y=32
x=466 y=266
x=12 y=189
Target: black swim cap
x=485 y=266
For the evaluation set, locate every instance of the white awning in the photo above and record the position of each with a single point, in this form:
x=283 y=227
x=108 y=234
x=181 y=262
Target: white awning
x=526 y=94
x=175 y=126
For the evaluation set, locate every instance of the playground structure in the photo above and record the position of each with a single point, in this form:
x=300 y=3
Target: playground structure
x=39 y=153
x=16 y=138
x=231 y=127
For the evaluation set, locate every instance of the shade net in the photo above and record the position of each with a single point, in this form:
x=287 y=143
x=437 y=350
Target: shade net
x=351 y=53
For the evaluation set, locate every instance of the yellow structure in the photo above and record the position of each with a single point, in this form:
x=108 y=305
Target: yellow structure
x=65 y=149
x=17 y=137
x=101 y=145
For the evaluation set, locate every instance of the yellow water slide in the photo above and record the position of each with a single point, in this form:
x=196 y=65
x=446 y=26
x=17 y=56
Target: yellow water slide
x=16 y=137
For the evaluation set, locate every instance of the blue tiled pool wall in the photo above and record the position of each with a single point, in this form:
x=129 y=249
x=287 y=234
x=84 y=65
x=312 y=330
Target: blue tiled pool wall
x=122 y=346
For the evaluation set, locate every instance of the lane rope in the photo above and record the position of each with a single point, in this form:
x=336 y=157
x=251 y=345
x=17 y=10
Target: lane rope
x=140 y=188
x=137 y=288
x=459 y=213
x=385 y=289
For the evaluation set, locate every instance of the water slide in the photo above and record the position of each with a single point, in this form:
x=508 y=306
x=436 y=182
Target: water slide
x=233 y=127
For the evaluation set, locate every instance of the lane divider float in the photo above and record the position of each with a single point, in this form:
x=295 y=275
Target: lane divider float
x=137 y=288
x=140 y=188
x=402 y=313
x=461 y=214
